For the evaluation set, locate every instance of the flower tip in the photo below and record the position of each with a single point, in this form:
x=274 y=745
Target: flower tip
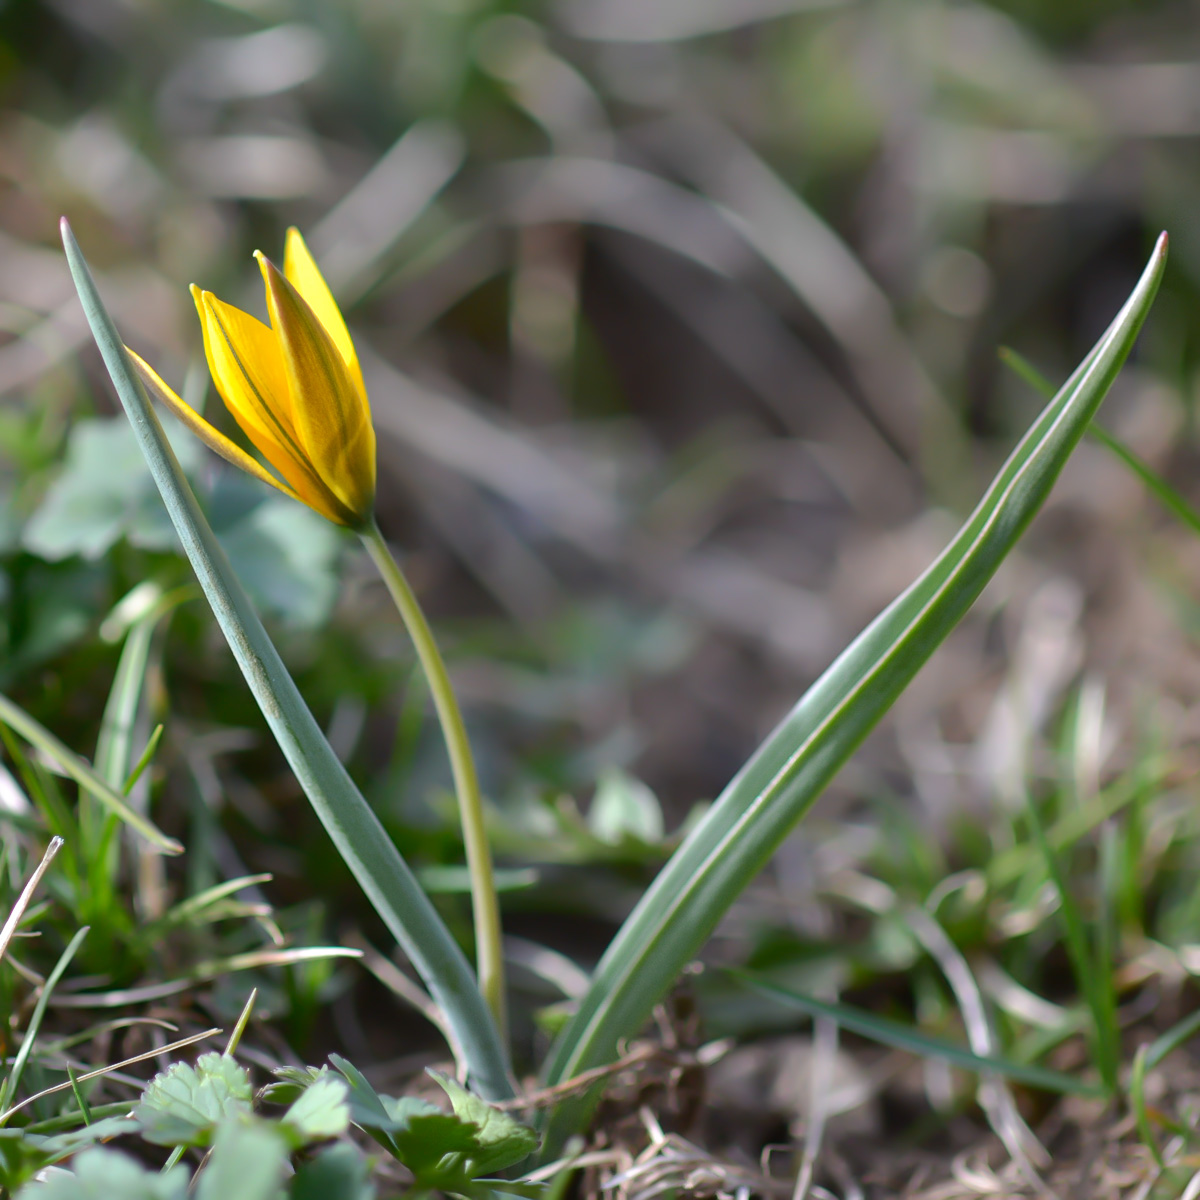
x=200 y=299
x=265 y=265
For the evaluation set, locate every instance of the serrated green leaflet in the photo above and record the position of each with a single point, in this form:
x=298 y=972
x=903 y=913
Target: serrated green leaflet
x=105 y=1174
x=23 y=1155
x=444 y=1151
x=354 y=829
x=183 y=1105
x=247 y=1163
x=500 y=1141
x=339 y=1173
x=290 y=1083
x=322 y=1112
x=367 y=1109
x=904 y=1037
x=788 y=772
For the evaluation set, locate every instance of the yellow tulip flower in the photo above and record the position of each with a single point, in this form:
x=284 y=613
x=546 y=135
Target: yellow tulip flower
x=295 y=388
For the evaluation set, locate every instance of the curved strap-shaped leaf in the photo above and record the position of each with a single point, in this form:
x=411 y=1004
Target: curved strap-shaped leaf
x=355 y=830
x=778 y=785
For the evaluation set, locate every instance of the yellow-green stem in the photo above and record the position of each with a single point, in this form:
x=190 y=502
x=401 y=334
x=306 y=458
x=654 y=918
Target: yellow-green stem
x=485 y=905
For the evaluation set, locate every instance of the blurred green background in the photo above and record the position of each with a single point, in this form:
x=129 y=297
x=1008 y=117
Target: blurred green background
x=680 y=321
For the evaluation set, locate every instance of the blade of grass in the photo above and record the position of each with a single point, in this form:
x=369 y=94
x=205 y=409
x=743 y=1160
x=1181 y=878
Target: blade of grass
x=1155 y=484
x=114 y=747
x=904 y=1037
x=1088 y=942
x=1097 y=992
x=1172 y=1039
x=1158 y=487
x=84 y=1108
x=1137 y=1101
x=8 y=1090
x=235 y=1038
x=1010 y=864
x=144 y=759
x=71 y=1120
x=42 y=739
x=143 y=609
x=740 y=832
x=353 y=827
x=41 y=786
x=191 y=908
x=1104 y=966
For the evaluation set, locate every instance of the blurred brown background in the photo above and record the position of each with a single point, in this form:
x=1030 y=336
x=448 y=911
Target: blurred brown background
x=680 y=324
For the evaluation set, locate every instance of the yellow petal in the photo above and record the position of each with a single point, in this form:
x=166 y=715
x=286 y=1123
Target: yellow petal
x=213 y=438
x=305 y=276
x=247 y=366
x=333 y=424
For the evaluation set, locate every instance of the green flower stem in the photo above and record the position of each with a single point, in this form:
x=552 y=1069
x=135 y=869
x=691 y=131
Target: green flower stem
x=484 y=902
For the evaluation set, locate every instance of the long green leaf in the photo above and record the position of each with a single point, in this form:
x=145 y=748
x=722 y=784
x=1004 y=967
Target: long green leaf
x=904 y=1037
x=354 y=829
x=788 y=772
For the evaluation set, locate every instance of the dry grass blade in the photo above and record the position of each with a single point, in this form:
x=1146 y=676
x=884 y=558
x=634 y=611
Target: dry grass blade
x=823 y=272
x=352 y=238
x=109 y=1070
x=407 y=989
x=670 y=1163
x=673 y=20
x=995 y=1098
x=202 y=973
x=825 y=1045
x=18 y=909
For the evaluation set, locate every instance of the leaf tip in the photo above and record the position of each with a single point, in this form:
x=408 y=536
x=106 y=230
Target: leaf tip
x=70 y=245
x=68 y=237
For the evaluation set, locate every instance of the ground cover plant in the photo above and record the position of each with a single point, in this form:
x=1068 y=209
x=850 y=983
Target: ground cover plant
x=664 y=364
